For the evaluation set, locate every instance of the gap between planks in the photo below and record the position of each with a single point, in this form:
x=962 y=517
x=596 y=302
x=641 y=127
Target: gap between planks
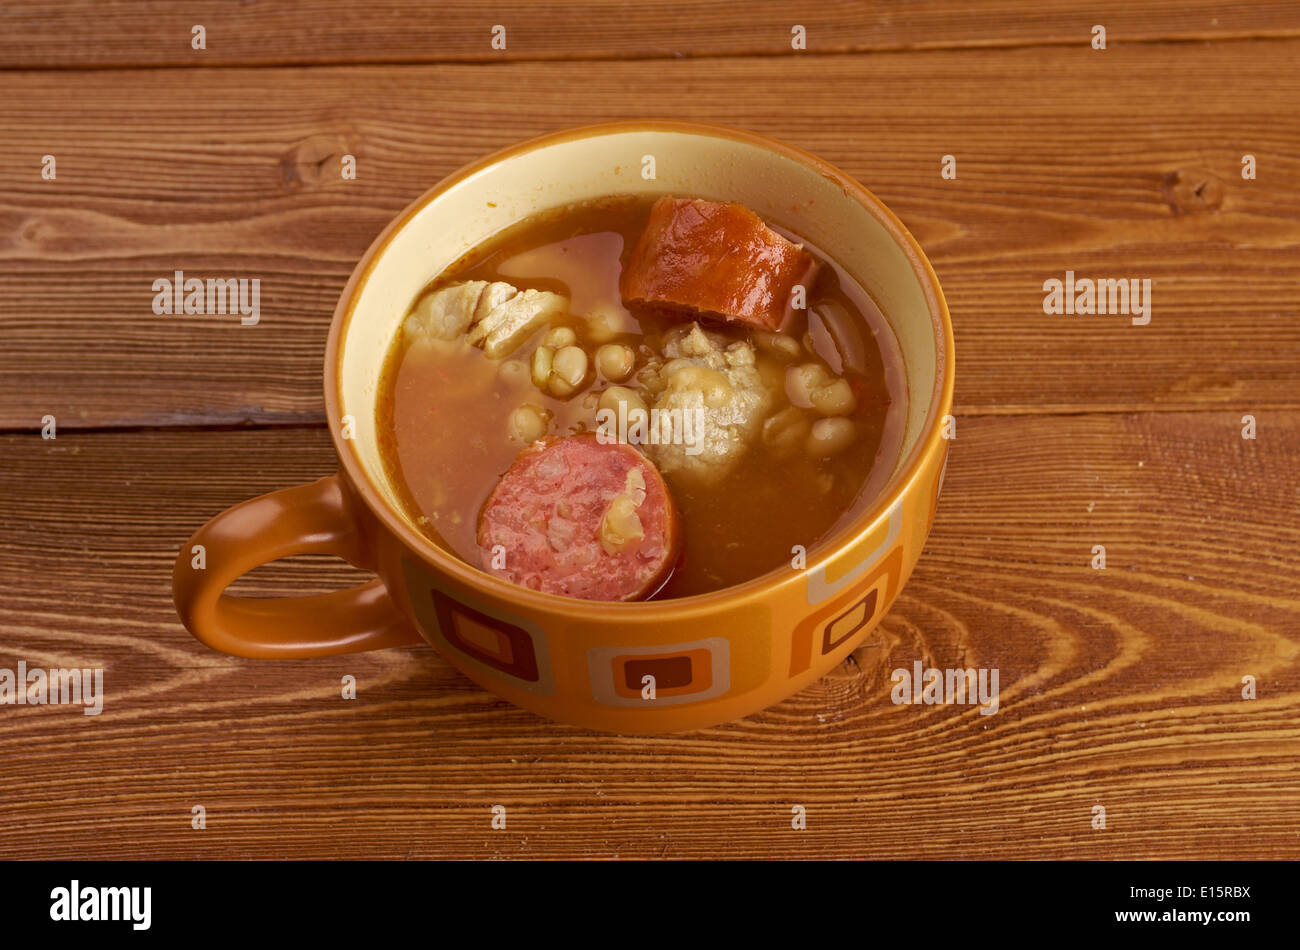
x=940 y=46
x=317 y=420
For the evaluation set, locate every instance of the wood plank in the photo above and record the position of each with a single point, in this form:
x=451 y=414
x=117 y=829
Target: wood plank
x=1068 y=160
x=1118 y=687
x=142 y=32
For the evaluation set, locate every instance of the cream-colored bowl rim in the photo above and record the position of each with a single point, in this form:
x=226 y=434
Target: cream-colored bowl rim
x=666 y=610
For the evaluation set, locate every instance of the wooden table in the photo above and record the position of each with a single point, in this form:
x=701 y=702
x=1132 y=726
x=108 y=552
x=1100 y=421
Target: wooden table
x=1120 y=687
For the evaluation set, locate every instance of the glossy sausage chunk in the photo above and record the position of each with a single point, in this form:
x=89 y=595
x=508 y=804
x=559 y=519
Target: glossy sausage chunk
x=718 y=260
x=579 y=518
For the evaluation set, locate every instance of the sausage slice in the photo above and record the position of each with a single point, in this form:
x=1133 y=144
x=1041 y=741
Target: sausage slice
x=715 y=259
x=580 y=518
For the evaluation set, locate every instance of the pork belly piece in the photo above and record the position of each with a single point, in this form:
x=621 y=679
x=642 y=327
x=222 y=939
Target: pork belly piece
x=717 y=260
x=494 y=316
x=446 y=313
x=507 y=324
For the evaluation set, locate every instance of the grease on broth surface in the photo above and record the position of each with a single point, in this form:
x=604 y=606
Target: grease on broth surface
x=445 y=409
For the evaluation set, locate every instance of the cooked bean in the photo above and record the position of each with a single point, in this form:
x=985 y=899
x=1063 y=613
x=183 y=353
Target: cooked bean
x=611 y=397
x=557 y=337
x=811 y=386
x=568 y=370
x=835 y=398
x=615 y=361
x=542 y=359
x=829 y=437
x=778 y=344
x=803 y=380
x=787 y=431
x=529 y=423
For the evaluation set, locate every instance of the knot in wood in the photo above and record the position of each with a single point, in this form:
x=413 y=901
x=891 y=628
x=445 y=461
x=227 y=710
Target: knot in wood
x=1192 y=191
x=314 y=162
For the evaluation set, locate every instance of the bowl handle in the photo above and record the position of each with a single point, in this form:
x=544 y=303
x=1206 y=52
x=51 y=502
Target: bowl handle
x=305 y=519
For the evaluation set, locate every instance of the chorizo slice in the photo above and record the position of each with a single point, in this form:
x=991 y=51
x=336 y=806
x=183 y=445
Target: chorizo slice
x=715 y=259
x=580 y=518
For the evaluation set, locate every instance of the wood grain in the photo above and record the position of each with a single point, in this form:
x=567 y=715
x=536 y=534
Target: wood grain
x=1118 y=687
x=1117 y=164
x=83 y=33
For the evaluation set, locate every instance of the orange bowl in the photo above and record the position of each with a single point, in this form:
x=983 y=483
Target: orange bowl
x=714 y=657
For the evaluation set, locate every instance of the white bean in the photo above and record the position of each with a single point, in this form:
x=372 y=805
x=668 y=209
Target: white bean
x=542 y=359
x=615 y=361
x=811 y=386
x=568 y=370
x=528 y=423
x=778 y=344
x=802 y=380
x=611 y=397
x=785 y=432
x=835 y=398
x=557 y=337
x=829 y=437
